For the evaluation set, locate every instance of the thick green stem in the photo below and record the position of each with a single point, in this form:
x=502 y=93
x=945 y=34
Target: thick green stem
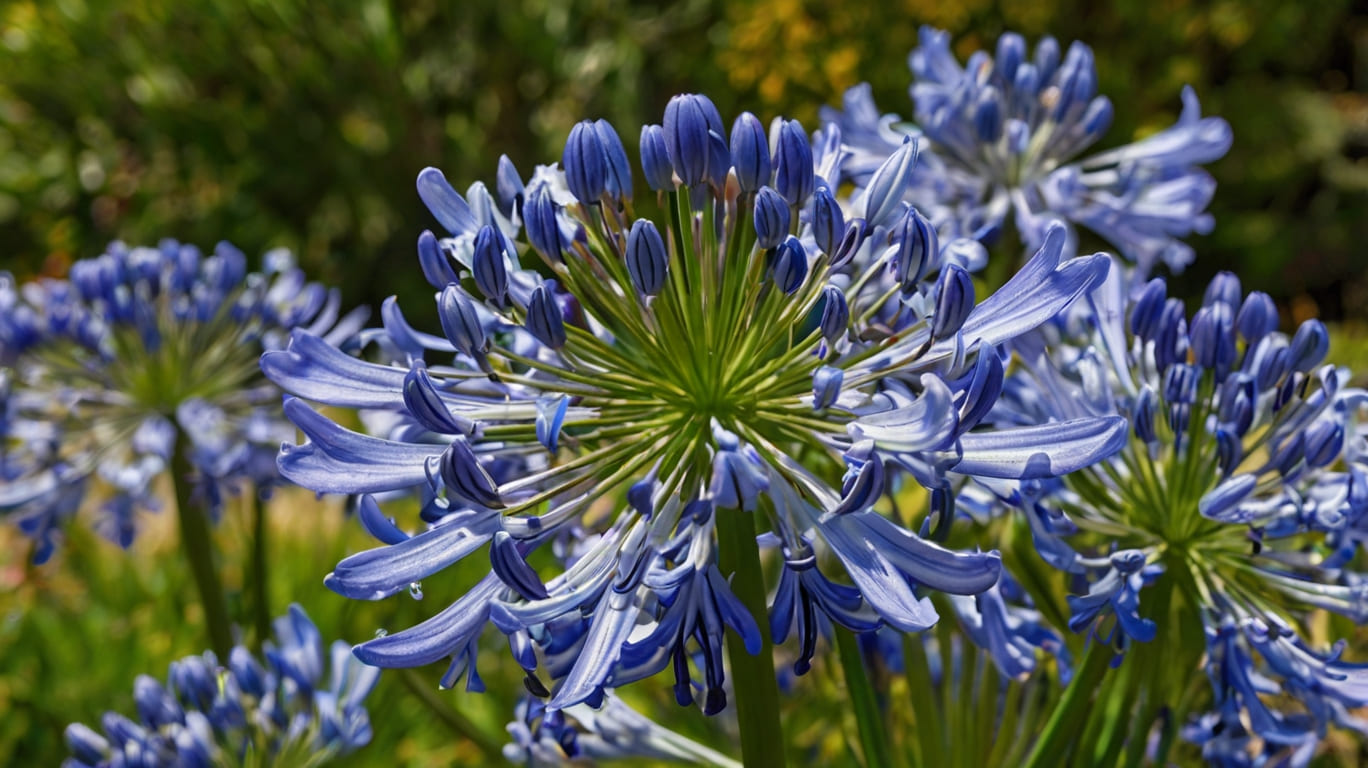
x=757 y=691
x=261 y=602
x=873 y=737
x=1066 y=722
x=452 y=718
x=197 y=543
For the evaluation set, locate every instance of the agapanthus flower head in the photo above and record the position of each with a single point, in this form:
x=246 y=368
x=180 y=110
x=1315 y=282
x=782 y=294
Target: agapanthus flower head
x=1237 y=504
x=293 y=708
x=610 y=436
x=104 y=372
x=1002 y=136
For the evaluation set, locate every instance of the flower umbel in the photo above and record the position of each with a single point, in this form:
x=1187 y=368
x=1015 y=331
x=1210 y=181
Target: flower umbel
x=1003 y=134
x=289 y=711
x=104 y=373
x=617 y=435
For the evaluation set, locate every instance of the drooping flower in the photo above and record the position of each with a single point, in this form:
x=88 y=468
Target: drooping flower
x=1236 y=504
x=1002 y=136
x=104 y=373
x=610 y=437
x=295 y=709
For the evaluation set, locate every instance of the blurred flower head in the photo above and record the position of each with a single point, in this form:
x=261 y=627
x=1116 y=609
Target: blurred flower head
x=298 y=708
x=105 y=374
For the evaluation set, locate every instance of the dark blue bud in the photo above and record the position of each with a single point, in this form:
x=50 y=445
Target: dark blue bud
x=1238 y=395
x=1289 y=454
x=489 y=265
x=1258 y=317
x=585 y=163
x=988 y=115
x=750 y=152
x=1267 y=361
x=1213 y=336
x=619 y=172
x=1287 y=390
x=509 y=187
x=1178 y=416
x=790 y=265
x=425 y=404
x=917 y=246
x=863 y=483
x=194 y=682
x=1324 y=440
x=954 y=302
x=461 y=322
x=87 y=746
x=465 y=478
x=854 y=237
x=1309 y=346
x=826 y=386
x=985 y=386
x=1026 y=86
x=1148 y=306
x=541 y=224
x=1171 y=336
x=155 y=705
x=828 y=222
x=647 y=259
x=1229 y=451
x=1142 y=419
x=835 y=314
x=434 y=262
x=1098 y=117
x=122 y=731
x=771 y=218
x=1047 y=57
x=1011 y=52
x=655 y=160
x=544 y=319
x=1180 y=383
x=1224 y=287
x=513 y=569
x=688 y=119
x=233 y=265
x=719 y=160
x=642 y=495
x=793 y=173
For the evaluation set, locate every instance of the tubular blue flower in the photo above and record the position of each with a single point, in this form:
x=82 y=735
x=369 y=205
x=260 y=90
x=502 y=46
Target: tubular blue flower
x=1236 y=505
x=680 y=417
x=750 y=154
x=287 y=709
x=793 y=168
x=1003 y=136
x=142 y=353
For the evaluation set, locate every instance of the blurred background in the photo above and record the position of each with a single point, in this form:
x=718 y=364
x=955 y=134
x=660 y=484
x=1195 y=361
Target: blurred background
x=304 y=124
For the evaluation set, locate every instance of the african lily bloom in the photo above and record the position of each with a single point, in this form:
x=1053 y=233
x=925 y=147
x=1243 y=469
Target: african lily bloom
x=1228 y=521
x=274 y=714
x=104 y=373
x=613 y=437
x=1001 y=135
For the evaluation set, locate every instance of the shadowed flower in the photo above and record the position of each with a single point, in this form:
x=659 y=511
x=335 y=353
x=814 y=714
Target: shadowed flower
x=296 y=710
x=615 y=438
x=1001 y=136
x=104 y=373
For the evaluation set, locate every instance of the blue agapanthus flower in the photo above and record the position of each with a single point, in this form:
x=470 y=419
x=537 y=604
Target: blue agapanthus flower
x=1236 y=505
x=1002 y=134
x=298 y=708
x=102 y=373
x=609 y=435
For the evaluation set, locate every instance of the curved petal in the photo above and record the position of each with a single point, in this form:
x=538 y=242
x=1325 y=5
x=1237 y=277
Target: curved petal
x=313 y=369
x=442 y=635
x=1045 y=450
x=383 y=571
x=341 y=461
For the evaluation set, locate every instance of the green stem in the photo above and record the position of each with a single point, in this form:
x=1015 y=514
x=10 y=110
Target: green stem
x=1063 y=727
x=873 y=738
x=451 y=717
x=261 y=604
x=753 y=680
x=198 y=546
